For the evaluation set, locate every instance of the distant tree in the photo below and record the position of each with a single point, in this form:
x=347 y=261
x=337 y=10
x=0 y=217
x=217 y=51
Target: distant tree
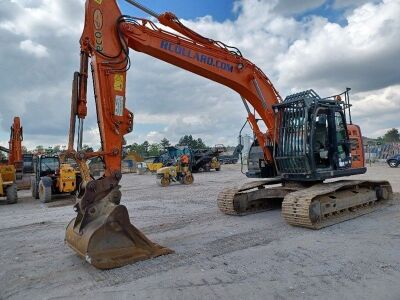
x=39 y=149
x=186 y=140
x=145 y=149
x=135 y=147
x=57 y=149
x=87 y=149
x=392 y=136
x=165 y=143
x=141 y=149
x=200 y=144
x=131 y=147
x=24 y=150
x=189 y=141
x=49 y=150
x=154 y=150
x=146 y=146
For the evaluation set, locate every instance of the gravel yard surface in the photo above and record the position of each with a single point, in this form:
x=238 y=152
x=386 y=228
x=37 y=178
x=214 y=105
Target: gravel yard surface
x=216 y=256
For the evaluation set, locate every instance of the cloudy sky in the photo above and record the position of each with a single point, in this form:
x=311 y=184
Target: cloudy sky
x=326 y=45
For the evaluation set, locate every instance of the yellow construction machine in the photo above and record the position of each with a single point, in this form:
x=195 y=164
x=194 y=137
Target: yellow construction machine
x=178 y=173
x=52 y=177
x=166 y=175
x=154 y=167
x=8 y=187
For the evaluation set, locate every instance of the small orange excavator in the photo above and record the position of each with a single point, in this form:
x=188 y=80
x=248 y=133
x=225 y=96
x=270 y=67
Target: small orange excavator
x=15 y=156
x=308 y=138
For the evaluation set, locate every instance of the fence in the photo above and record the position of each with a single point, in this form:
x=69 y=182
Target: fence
x=383 y=151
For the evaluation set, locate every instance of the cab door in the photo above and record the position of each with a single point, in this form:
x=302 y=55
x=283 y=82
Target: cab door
x=342 y=147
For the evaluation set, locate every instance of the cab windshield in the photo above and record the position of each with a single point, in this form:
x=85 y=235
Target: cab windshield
x=49 y=164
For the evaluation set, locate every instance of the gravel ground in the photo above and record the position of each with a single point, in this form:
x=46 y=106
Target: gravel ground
x=216 y=256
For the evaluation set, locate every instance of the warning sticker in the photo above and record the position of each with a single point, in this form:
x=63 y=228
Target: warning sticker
x=99 y=1
x=119 y=105
x=118 y=82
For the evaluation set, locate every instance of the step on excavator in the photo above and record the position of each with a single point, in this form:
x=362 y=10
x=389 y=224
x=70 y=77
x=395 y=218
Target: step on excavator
x=309 y=139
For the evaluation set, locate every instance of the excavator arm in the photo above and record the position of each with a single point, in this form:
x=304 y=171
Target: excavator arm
x=107 y=38
x=102 y=232
x=212 y=60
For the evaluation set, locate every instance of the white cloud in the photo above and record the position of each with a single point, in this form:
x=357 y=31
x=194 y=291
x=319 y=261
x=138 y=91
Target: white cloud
x=32 y=18
x=170 y=102
x=377 y=111
x=154 y=137
x=33 y=48
x=363 y=54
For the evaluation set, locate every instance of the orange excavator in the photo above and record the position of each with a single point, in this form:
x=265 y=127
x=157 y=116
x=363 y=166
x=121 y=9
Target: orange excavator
x=15 y=156
x=309 y=139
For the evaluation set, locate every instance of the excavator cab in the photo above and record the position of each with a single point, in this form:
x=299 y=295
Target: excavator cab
x=313 y=138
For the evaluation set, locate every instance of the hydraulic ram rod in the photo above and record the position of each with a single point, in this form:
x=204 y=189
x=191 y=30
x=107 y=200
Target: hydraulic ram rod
x=145 y=9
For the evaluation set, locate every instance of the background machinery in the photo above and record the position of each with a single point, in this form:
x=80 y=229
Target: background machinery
x=28 y=163
x=200 y=159
x=173 y=153
x=13 y=168
x=180 y=172
x=168 y=158
x=308 y=138
x=15 y=155
x=51 y=177
x=206 y=159
x=231 y=158
x=8 y=187
x=152 y=164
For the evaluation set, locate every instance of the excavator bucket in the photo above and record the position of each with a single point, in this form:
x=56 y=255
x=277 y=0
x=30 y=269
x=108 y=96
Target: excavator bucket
x=105 y=237
x=112 y=241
